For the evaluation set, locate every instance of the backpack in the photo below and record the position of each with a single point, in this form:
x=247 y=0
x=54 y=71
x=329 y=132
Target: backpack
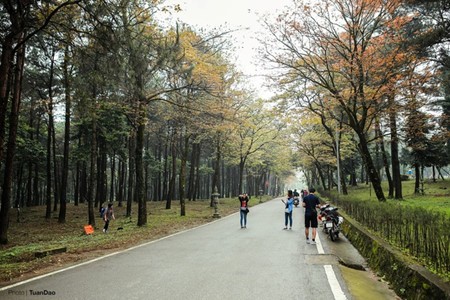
x=102 y=212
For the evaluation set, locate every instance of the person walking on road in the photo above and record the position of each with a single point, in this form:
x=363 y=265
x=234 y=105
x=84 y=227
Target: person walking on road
x=310 y=203
x=108 y=216
x=244 y=209
x=289 y=203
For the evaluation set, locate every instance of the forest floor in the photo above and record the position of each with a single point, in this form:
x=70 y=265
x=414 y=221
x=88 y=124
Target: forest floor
x=31 y=232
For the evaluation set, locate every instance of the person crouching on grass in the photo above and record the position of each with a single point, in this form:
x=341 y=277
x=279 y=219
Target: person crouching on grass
x=108 y=216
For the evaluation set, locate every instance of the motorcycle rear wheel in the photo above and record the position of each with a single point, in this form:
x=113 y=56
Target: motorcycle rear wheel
x=334 y=235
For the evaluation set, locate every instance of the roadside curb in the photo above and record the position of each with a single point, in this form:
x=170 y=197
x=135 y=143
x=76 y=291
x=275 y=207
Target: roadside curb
x=408 y=279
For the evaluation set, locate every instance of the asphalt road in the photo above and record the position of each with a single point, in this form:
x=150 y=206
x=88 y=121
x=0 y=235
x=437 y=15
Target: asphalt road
x=215 y=261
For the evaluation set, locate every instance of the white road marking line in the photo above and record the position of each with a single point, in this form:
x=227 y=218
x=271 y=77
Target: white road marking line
x=331 y=276
x=319 y=244
x=108 y=255
x=334 y=283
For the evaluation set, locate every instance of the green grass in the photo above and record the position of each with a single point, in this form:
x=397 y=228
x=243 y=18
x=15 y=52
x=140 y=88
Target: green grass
x=436 y=195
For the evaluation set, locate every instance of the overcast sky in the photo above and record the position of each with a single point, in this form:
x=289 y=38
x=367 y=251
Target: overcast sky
x=234 y=14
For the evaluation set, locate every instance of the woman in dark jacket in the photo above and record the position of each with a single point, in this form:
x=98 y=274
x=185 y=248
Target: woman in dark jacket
x=243 y=199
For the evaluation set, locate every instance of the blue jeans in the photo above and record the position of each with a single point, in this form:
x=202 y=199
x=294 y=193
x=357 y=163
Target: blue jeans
x=286 y=216
x=243 y=218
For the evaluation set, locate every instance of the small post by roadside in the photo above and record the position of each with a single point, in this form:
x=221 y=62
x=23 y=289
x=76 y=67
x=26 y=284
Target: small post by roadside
x=260 y=195
x=215 y=196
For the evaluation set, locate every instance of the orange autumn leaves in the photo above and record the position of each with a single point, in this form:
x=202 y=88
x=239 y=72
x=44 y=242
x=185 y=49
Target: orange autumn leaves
x=351 y=50
x=203 y=63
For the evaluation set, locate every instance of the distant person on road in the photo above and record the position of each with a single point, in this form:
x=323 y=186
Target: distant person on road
x=108 y=216
x=289 y=203
x=243 y=199
x=310 y=203
x=304 y=193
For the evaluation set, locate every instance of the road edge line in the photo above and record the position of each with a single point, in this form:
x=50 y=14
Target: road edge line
x=108 y=255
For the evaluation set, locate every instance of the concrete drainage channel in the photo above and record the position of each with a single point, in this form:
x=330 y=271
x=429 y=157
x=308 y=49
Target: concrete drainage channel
x=408 y=279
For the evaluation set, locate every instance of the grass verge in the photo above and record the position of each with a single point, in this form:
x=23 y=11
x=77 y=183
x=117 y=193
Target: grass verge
x=436 y=195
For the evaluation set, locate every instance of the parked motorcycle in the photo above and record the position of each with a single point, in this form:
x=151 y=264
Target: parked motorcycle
x=322 y=216
x=331 y=221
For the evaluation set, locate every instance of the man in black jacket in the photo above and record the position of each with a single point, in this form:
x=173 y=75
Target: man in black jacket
x=310 y=203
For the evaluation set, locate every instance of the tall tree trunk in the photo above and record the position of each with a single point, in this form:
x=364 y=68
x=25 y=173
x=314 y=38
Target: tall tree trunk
x=222 y=178
x=36 y=194
x=55 y=167
x=29 y=185
x=353 y=177
x=76 y=194
x=92 y=171
x=51 y=125
x=147 y=175
x=396 y=175
x=18 y=202
x=380 y=141
x=101 y=194
x=65 y=167
x=182 y=179
x=131 y=172
x=343 y=182
x=216 y=162
x=113 y=177
x=158 y=177
x=166 y=172
x=6 y=64
x=230 y=181
x=191 y=180
x=241 y=175
x=341 y=169
x=197 y=175
x=122 y=179
x=434 y=173
x=321 y=176
x=84 y=192
x=173 y=172
x=440 y=174
x=142 y=203
x=370 y=168
x=48 y=195
x=417 y=181
x=11 y=146
x=77 y=188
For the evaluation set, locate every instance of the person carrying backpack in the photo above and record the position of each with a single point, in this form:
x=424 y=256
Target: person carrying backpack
x=102 y=211
x=108 y=216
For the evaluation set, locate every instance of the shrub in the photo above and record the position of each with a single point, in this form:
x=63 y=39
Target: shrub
x=404 y=177
x=420 y=232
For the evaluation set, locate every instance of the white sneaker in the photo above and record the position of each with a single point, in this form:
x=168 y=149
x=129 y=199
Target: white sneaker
x=307 y=241
x=313 y=242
